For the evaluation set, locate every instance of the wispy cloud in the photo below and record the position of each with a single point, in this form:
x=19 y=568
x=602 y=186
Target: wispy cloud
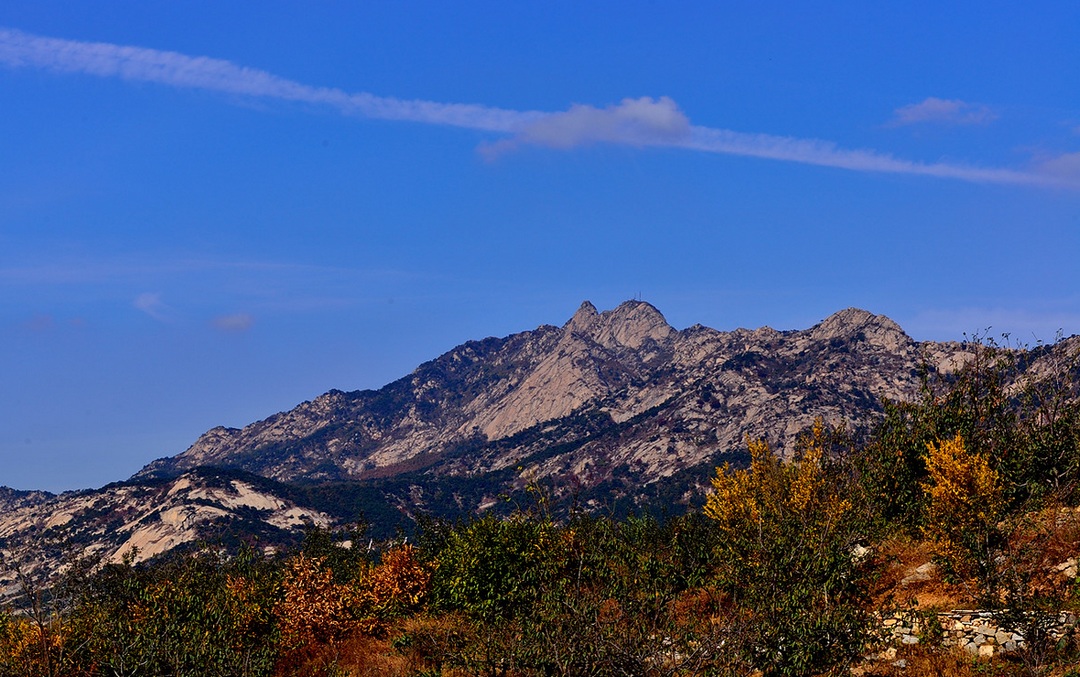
x=635 y=122
x=828 y=154
x=90 y=271
x=943 y=111
x=24 y=50
x=40 y=323
x=151 y=304
x=1065 y=166
x=235 y=323
x=202 y=287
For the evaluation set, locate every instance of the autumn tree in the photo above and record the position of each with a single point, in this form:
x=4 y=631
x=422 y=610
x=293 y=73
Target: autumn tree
x=788 y=560
x=1018 y=409
x=964 y=505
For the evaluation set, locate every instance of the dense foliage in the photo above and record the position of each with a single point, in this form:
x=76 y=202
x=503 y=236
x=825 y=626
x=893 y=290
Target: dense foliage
x=778 y=573
x=786 y=556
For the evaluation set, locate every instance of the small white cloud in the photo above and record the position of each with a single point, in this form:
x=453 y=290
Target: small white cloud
x=1064 y=167
x=946 y=111
x=237 y=322
x=151 y=304
x=635 y=122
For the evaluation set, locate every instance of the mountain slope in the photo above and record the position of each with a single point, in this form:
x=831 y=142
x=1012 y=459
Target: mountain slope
x=657 y=401
x=140 y=520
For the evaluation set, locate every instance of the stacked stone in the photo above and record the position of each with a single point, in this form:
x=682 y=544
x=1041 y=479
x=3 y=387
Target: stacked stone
x=974 y=631
x=977 y=633
x=904 y=627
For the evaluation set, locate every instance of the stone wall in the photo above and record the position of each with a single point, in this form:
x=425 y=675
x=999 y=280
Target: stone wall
x=977 y=632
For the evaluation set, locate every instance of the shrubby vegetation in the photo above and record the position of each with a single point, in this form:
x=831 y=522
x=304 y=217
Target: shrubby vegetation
x=788 y=535
x=780 y=573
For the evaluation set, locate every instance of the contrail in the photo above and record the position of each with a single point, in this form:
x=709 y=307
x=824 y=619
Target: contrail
x=635 y=122
x=23 y=50
x=826 y=154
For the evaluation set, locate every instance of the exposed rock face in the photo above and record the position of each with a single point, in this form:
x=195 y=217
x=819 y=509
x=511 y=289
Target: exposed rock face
x=594 y=353
x=658 y=401
x=142 y=520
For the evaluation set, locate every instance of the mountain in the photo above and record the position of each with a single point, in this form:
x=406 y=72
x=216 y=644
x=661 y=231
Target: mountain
x=141 y=520
x=613 y=410
x=606 y=405
x=14 y=499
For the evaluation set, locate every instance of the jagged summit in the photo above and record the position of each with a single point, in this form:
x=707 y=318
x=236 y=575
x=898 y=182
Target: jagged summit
x=656 y=400
x=856 y=317
x=630 y=324
x=612 y=401
x=582 y=319
x=858 y=323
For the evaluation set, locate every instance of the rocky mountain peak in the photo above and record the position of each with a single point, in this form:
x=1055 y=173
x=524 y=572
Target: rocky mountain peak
x=877 y=330
x=629 y=325
x=582 y=319
x=615 y=405
x=634 y=322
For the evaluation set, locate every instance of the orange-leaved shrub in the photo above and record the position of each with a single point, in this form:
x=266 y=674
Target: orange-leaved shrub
x=28 y=650
x=314 y=609
x=398 y=585
x=317 y=609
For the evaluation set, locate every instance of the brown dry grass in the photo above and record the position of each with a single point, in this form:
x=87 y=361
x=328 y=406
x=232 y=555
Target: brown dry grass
x=922 y=662
x=899 y=557
x=919 y=661
x=1038 y=542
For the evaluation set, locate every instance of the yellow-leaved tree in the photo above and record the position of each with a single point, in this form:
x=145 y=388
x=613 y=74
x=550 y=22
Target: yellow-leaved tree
x=1007 y=558
x=788 y=559
x=964 y=506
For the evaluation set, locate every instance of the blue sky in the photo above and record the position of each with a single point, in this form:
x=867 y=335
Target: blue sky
x=211 y=211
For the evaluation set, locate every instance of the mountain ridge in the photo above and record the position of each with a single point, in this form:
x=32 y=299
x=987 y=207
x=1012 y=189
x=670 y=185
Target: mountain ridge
x=614 y=410
x=619 y=362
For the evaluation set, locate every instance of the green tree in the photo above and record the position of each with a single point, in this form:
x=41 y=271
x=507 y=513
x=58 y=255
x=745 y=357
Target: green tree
x=1025 y=420
x=495 y=569
x=200 y=614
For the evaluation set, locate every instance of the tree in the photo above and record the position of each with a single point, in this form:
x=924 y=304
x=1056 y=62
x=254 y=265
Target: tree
x=964 y=506
x=787 y=551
